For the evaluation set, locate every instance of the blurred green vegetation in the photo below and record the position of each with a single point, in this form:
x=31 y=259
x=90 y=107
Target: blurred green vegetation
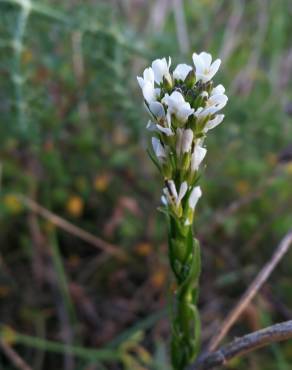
x=73 y=139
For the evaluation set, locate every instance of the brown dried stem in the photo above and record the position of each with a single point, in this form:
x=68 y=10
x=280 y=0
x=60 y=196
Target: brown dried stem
x=243 y=345
x=71 y=228
x=13 y=356
x=253 y=289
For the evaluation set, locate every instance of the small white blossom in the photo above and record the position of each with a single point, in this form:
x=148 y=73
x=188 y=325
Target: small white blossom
x=218 y=100
x=178 y=106
x=194 y=197
x=205 y=69
x=161 y=69
x=213 y=105
x=197 y=157
x=158 y=149
x=181 y=71
x=157 y=112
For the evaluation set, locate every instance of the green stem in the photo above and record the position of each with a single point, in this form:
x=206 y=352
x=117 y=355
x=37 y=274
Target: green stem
x=184 y=254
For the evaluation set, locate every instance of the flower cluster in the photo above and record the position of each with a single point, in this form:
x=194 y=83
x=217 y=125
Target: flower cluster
x=183 y=105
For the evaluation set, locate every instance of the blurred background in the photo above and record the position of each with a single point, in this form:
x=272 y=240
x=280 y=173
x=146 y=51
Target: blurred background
x=84 y=275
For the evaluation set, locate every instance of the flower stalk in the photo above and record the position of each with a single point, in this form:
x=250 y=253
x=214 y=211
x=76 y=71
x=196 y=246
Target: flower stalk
x=183 y=106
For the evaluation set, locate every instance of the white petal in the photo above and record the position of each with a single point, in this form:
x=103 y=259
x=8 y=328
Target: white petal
x=187 y=140
x=182 y=192
x=194 y=197
x=172 y=188
x=140 y=81
x=160 y=68
x=206 y=58
x=214 y=122
x=178 y=106
x=197 y=157
x=166 y=130
x=164 y=200
x=219 y=89
x=198 y=62
x=151 y=126
x=148 y=75
x=218 y=100
x=158 y=148
x=184 y=112
x=157 y=109
x=214 y=67
x=148 y=92
x=181 y=71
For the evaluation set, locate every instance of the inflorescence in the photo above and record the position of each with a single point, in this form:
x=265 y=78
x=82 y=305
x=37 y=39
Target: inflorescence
x=183 y=105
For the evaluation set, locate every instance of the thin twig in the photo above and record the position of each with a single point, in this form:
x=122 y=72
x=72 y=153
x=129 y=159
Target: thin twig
x=231 y=36
x=13 y=356
x=70 y=228
x=243 y=345
x=253 y=289
x=181 y=26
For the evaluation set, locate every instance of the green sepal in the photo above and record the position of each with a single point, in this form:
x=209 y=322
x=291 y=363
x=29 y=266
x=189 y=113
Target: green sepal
x=190 y=79
x=196 y=342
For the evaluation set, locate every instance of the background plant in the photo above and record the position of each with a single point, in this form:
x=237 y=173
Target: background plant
x=71 y=139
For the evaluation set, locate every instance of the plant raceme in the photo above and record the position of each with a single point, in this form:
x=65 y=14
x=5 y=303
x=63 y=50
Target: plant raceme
x=183 y=105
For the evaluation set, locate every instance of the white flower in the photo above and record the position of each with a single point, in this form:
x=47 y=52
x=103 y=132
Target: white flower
x=197 y=157
x=213 y=122
x=158 y=149
x=213 y=105
x=147 y=85
x=178 y=106
x=170 y=193
x=157 y=112
x=204 y=69
x=184 y=140
x=217 y=100
x=161 y=69
x=194 y=197
x=181 y=71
